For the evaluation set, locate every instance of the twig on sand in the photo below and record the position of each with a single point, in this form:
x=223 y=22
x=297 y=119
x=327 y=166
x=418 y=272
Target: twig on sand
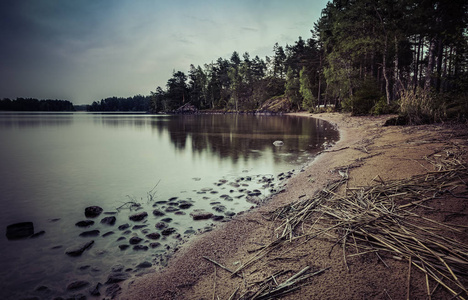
x=286 y=287
x=220 y=265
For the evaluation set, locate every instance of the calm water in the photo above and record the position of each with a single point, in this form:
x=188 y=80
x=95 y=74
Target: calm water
x=55 y=165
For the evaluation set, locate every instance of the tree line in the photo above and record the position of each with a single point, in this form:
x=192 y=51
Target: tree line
x=32 y=104
x=362 y=56
x=135 y=103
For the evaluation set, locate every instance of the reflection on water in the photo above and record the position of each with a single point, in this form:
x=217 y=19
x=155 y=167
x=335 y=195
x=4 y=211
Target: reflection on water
x=55 y=165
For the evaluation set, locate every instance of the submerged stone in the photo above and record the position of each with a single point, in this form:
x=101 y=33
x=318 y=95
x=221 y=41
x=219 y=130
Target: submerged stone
x=123 y=227
x=19 y=230
x=109 y=220
x=93 y=211
x=153 y=236
x=78 y=250
x=135 y=240
x=85 y=223
x=76 y=285
x=90 y=233
x=201 y=215
x=138 y=217
x=158 y=213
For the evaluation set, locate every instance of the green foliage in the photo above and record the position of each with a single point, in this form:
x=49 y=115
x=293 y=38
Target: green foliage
x=309 y=101
x=362 y=57
x=382 y=108
x=364 y=99
x=292 y=89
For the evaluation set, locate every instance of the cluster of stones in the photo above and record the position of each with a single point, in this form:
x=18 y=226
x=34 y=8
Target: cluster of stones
x=232 y=190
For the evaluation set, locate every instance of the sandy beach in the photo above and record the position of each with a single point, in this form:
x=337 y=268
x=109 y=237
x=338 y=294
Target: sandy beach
x=367 y=153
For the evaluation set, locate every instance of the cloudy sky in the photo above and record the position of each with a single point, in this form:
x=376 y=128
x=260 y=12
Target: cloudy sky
x=88 y=50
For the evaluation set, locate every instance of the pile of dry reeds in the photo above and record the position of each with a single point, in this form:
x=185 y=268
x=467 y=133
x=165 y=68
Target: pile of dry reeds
x=383 y=219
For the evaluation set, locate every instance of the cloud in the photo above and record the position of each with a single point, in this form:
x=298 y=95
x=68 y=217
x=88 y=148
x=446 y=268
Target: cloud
x=87 y=50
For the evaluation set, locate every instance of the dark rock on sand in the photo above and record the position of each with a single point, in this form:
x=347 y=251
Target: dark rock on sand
x=85 y=223
x=109 y=220
x=167 y=220
x=19 y=230
x=93 y=211
x=78 y=250
x=138 y=217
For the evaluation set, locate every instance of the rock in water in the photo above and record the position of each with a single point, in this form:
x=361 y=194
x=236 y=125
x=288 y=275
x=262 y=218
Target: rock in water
x=138 y=217
x=85 y=223
x=93 y=211
x=201 y=215
x=19 y=230
x=109 y=220
x=77 y=251
x=90 y=233
x=76 y=285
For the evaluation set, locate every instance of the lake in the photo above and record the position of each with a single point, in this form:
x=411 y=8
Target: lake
x=54 y=165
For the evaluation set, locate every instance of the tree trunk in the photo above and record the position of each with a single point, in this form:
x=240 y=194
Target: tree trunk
x=396 y=80
x=430 y=64
x=417 y=62
x=385 y=75
x=440 y=52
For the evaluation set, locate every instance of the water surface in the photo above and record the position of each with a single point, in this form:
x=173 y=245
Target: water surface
x=55 y=165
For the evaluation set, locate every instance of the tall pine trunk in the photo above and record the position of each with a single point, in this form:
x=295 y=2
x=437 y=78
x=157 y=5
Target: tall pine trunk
x=430 y=64
x=384 y=71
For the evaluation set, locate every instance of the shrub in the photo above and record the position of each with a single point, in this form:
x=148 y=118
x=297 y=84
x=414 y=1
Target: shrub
x=364 y=99
x=420 y=106
x=382 y=108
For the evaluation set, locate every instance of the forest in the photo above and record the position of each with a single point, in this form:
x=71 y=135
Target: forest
x=31 y=104
x=135 y=103
x=364 y=57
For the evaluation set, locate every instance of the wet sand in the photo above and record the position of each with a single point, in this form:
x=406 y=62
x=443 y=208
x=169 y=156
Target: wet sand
x=366 y=149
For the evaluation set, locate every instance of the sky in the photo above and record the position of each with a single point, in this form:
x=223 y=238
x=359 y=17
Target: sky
x=88 y=50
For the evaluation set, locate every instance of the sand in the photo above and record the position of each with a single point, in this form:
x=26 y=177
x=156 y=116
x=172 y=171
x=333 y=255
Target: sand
x=366 y=149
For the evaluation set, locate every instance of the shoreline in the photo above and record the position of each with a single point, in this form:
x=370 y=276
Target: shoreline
x=366 y=150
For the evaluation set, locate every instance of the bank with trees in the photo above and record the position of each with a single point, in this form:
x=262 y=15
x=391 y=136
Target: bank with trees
x=363 y=56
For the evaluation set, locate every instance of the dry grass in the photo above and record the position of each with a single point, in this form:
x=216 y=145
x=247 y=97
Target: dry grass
x=384 y=218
